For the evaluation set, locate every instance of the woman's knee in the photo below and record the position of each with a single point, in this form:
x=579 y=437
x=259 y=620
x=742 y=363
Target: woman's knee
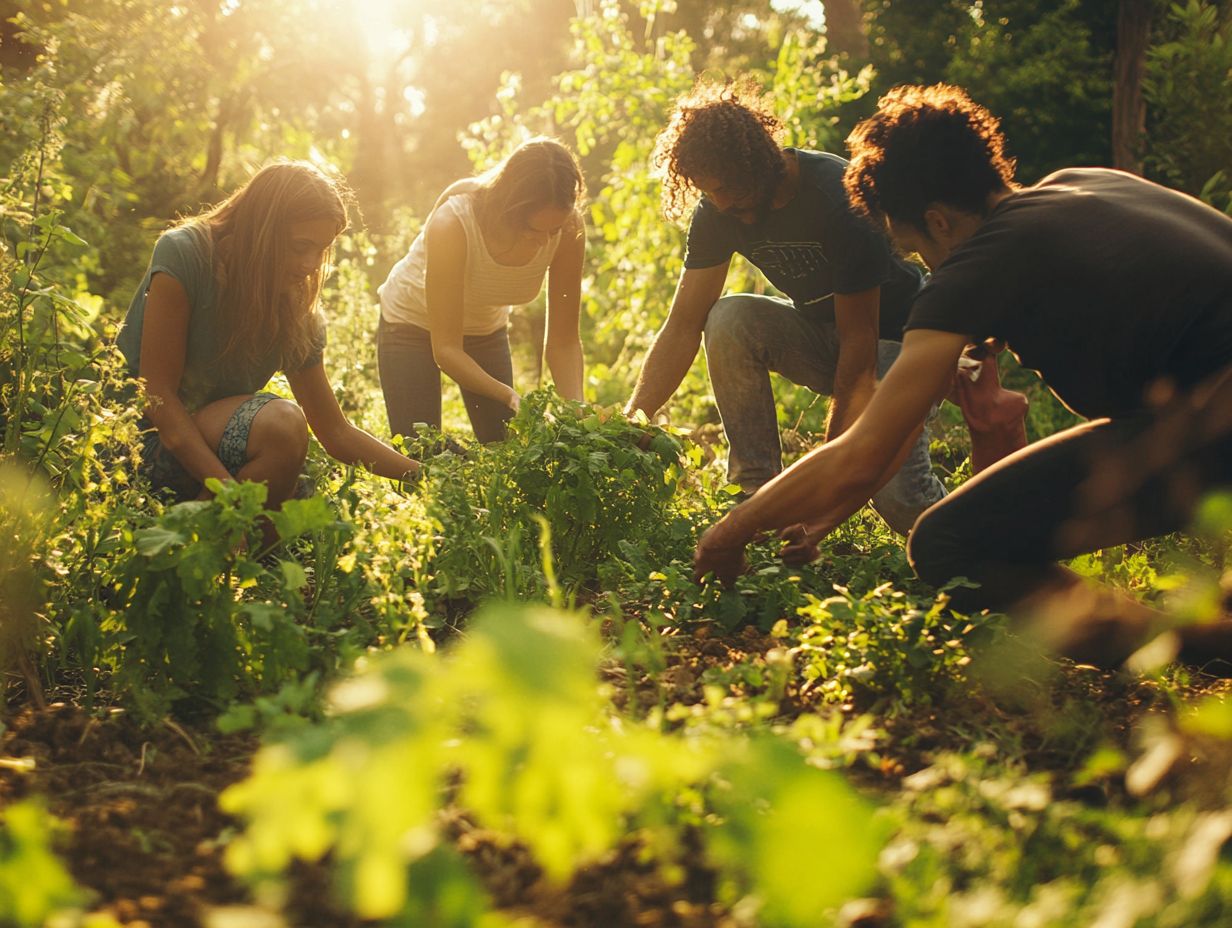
x=279 y=430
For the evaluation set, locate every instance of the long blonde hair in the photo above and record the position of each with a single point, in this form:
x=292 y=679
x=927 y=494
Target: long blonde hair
x=541 y=173
x=252 y=262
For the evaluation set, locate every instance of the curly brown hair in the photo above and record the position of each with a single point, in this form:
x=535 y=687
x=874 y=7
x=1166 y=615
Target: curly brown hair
x=725 y=132
x=926 y=145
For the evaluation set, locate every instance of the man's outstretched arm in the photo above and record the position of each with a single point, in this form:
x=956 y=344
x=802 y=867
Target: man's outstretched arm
x=676 y=345
x=827 y=485
x=855 y=376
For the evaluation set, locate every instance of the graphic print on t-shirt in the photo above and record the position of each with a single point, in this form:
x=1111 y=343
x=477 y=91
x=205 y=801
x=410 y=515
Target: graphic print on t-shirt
x=791 y=260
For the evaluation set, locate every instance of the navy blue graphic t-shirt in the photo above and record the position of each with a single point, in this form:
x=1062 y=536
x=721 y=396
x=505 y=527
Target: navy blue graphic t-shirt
x=813 y=247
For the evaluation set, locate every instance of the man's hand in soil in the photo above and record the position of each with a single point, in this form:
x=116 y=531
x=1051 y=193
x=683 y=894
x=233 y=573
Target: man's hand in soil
x=799 y=545
x=721 y=552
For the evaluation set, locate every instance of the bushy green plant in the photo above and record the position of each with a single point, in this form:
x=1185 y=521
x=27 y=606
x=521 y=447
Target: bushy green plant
x=579 y=467
x=53 y=370
x=883 y=643
x=183 y=627
x=62 y=430
x=1187 y=85
x=194 y=614
x=986 y=842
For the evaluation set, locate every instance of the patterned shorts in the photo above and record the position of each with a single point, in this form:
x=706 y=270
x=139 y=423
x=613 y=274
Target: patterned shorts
x=166 y=473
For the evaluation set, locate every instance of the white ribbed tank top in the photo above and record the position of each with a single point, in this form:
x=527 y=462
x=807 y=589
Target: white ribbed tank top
x=488 y=288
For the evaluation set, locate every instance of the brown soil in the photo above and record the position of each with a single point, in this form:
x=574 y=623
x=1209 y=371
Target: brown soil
x=146 y=835
x=142 y=807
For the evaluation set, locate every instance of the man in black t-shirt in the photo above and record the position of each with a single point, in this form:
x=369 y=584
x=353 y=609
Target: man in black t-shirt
x=1116 y=290
x=839 y=328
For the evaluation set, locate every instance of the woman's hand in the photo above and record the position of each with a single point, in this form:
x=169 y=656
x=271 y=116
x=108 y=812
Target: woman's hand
x=341 y=440
x=513 y=401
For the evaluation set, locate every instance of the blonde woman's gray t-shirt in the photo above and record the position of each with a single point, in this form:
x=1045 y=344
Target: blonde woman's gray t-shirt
x=186 y=253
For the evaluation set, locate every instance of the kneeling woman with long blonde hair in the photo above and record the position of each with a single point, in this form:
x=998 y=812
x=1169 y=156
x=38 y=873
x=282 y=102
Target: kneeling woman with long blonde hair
x=229 y=298
x=487 y=244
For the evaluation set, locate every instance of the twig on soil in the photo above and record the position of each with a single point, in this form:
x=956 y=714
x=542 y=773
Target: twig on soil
x=85 y=732
x=110 y=786
x=175 y=727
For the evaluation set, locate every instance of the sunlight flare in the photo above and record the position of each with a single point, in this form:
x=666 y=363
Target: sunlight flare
x=384 y=25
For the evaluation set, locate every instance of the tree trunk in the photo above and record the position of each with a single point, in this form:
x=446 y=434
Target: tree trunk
x=215 y=148
x=1128 y=107
x=845 y=28
x=369 y=171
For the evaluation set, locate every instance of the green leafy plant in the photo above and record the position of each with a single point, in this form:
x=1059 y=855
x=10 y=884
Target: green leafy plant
x=484 y=728
x=882 y=644
x=33 y=883
x=989 y=842
x=1187 y=82
x=580 y=468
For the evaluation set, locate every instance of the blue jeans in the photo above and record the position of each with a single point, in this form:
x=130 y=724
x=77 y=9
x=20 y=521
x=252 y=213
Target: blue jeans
x=411 y=381
x=747 y=336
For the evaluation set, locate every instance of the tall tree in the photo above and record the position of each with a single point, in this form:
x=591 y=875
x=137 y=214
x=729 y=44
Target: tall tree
x=1133 y=38
x=845 y=28
x=1043 y=66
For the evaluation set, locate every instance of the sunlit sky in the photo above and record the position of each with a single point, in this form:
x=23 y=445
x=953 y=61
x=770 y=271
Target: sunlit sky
x=386 y=33
x=811 y=8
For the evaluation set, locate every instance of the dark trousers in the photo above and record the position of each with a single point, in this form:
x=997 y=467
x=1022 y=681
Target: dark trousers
x=1097 y=485
x=411 y=381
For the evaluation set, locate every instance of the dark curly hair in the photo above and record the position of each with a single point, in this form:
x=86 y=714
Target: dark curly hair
x=926 y=145
x=720 y=131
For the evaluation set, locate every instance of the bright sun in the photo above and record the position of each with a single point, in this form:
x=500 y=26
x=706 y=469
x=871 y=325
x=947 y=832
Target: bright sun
x=385 y=25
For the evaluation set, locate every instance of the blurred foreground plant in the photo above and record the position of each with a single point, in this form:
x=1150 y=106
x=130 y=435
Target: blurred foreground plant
x=513 y=727
x=33 y=883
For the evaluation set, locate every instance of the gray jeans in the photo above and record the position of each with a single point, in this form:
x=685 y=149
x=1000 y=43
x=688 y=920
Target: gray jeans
x=411 y=381
x=747 y=336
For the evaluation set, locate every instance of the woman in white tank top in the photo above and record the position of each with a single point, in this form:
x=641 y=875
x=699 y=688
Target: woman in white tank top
x=487 y=244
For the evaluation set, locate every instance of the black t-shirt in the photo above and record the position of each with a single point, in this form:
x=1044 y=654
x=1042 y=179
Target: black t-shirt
x=1100 y=281
x=811 y=248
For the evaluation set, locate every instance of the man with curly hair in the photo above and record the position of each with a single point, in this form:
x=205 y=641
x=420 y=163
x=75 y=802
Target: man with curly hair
x=786 y=211
x=1116 y=290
